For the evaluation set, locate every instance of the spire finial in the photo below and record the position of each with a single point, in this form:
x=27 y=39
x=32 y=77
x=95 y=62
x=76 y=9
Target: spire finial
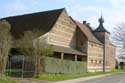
x=101 y=13
x=101 y=28
x=101 y=20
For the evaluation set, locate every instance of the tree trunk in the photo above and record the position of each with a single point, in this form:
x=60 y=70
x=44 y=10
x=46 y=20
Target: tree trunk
x=39 y=67
x=3 y=63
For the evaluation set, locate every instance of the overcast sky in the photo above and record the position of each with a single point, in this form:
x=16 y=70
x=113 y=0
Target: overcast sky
x=113 y=10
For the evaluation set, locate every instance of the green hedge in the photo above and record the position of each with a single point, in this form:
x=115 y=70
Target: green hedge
x=54 y=65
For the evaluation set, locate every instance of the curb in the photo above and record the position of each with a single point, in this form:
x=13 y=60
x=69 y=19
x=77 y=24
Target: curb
x=82 y=79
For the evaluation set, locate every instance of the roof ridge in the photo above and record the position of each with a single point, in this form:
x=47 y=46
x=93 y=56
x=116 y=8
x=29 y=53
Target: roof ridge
x=40 y=20
x=82 y=24
x=61 y=9
x=92 y=39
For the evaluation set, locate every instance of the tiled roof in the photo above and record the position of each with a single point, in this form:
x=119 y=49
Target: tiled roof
x=44 y=21
x=88 y=32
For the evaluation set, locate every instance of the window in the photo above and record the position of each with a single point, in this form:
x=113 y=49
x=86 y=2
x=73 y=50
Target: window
x=92 y=45
x=100 y=61
x=95 y=61
x=91 y=61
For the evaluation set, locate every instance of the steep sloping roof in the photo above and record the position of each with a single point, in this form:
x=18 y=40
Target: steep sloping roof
x=101 y=28
x=41 y=20
x=86 y=30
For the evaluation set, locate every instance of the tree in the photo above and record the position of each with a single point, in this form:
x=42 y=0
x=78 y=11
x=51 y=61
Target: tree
x=35 y=46
x=121 y=64
x=5 y=44
x=119 y=40
x=117 y=64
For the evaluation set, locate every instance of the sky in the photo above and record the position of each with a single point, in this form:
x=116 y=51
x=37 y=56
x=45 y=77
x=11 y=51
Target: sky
x=90 y=10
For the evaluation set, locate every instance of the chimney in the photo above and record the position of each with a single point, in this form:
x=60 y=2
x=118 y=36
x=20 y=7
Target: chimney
x=88 y=24
x=84 y=22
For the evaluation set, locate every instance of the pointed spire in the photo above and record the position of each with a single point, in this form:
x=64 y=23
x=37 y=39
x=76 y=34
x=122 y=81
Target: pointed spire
x=101 y=28
x=101 y=19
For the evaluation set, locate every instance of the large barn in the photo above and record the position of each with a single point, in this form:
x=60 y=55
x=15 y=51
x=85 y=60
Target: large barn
x=73 y=42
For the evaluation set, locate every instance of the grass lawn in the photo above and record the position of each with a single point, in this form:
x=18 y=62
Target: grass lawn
x=57 y=77
x=6 y=80
x=118 y=70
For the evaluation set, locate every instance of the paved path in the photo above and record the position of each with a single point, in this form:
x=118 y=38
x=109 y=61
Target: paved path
x=114 y=78
x=109 y=78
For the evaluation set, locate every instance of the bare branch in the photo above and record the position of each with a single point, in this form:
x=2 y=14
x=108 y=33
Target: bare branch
x=119 y=39
x=34 y=46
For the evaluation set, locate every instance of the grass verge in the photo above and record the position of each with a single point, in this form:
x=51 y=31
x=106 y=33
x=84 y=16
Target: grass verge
x=6 y=80
x=118 y=70
x=58 y=77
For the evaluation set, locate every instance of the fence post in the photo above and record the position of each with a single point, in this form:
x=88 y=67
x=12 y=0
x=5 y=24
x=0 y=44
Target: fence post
x=23 y=67
x=76 y=58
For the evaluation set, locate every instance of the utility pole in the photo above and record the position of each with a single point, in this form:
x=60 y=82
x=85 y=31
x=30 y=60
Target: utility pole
x=104 y=55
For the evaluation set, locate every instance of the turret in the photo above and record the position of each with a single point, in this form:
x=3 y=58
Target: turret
x=101 y=33
x=103 y=36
